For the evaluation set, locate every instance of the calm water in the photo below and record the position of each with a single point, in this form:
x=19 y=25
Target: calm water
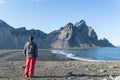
x=97 y=54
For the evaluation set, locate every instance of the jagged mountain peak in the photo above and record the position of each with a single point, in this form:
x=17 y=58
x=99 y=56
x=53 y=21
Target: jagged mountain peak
x=81 y=23
x=78 y=35
x=69 y=24
x=1 y=21
x=4 y=25
x=22 y=28
x=11 y=38
x=105 y=42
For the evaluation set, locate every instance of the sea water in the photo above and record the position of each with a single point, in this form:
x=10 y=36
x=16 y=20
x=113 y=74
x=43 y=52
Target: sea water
x=94 y=54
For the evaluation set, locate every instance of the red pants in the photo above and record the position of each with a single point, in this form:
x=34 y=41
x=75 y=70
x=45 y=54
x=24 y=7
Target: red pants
x=30 y=65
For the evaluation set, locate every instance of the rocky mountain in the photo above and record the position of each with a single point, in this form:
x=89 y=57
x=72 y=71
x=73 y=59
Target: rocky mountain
x=11 y=38
x=69 y=36
x=74 y=36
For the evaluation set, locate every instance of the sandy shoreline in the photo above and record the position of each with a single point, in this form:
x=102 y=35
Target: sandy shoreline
x=55 y=67
x=43 y=55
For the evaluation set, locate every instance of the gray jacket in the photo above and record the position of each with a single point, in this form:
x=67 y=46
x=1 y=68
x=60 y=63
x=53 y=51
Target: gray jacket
x=30 y=50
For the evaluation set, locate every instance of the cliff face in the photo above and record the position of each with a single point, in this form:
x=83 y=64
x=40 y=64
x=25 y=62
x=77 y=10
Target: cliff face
x=71 y=35
x=75 y=35
x=11 y=38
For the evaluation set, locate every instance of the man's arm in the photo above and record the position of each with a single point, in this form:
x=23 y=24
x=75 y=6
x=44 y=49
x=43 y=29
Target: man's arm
x=36 y=50
x=24 y=50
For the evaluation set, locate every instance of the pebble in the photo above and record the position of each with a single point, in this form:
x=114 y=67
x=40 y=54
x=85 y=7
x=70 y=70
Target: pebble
x=112 y=78
x=105 y=79
x=101 y=70
x=117 y=78
x=111 y=66
x=87 y=69
x=72 y=78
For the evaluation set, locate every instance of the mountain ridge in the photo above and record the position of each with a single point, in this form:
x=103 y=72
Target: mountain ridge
x=70 y=36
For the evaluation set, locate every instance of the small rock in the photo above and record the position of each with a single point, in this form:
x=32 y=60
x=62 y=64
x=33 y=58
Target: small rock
x=117 y=78
x=69 y=74
x=11 y=63
x=72 y=78
x=37 y=66
x=101 y=70
x=111 y=67
x=111 y=77
x=105 y=79
x=87 y=69
x=86 y=65
x=22 y=67
x=80 y=75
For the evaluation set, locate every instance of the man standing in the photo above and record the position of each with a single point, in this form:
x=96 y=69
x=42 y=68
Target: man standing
x=31 y=53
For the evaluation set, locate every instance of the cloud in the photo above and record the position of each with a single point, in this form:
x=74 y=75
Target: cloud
x=40 y=0
x=2 y=1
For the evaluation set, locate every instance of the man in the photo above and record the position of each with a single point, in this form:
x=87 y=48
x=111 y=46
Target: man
x=31 y=53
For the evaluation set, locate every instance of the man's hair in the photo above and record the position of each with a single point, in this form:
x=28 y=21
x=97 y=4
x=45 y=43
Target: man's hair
x=31 y=38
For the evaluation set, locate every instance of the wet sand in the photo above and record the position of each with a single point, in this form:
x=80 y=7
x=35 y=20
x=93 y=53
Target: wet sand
x=43 y=55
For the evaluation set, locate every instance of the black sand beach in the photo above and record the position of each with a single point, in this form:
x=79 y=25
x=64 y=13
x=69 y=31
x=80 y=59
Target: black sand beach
x=43 y=55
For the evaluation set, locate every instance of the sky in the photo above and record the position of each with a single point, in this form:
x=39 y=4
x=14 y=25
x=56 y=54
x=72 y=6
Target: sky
x=50 y=15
